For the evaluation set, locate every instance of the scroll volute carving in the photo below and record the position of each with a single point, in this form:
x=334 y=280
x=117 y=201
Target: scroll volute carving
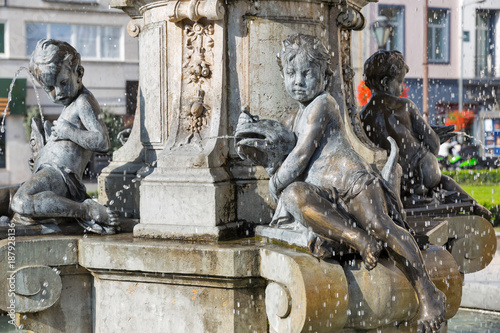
x=197 y=9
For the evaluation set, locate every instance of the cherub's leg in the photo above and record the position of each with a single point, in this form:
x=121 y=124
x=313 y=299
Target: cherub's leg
x=6 y=194
x=370 y=209
x=45 y=194
x=318 y=213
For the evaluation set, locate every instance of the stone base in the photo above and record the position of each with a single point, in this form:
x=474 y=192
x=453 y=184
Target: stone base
x=189 y=232
x=175 y=287
x=118 y=187
x=186 y=204
x=52 y=293
x=236 y=286
x=242 y=285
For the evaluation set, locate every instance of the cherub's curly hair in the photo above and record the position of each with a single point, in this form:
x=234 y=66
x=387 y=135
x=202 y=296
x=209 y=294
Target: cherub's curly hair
x=383 y=64
x=311 y=47
x=50 y=55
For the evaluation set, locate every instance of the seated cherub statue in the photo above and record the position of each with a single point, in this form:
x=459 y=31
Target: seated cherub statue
x=60 y=153
x=329 y=188
x=389 y=115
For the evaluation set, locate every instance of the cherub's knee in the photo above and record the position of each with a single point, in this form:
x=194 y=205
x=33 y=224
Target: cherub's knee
x=294 y=194
x=22 y=204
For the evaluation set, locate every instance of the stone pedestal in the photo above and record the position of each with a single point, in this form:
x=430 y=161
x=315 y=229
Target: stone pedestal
x=244 y=285
x=237 y=286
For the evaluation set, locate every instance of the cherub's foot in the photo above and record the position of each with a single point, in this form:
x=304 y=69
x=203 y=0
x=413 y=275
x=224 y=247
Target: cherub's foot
x=431 y=312
x=91 y=226
x=102 y=220
x=371 y=253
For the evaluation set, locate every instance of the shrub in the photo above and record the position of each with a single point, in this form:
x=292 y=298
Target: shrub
x=114 y=123
x=475 y=177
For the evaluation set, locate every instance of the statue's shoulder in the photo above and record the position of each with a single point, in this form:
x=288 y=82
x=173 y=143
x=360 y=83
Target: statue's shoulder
x=404 y=103
x=86 y=101
x=326 y=101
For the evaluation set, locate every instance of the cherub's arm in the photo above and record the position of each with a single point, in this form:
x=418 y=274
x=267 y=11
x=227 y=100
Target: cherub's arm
x=423 y=130
x=288 y=121
x=307 y=142
x=95 y=135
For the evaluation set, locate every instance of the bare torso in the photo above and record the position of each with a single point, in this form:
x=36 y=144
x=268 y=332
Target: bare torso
x=333 y=159
x=386 y=115
x=66 y=153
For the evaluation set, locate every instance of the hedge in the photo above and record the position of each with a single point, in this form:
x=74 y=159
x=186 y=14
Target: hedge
x=475 y=176
x=495 y=214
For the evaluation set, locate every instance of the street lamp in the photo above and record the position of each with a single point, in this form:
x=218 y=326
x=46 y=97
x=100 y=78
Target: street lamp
x=381 y=30
x=461 y=53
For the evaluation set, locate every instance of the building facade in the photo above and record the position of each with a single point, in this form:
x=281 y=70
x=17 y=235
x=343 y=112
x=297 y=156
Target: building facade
x=109 y=57
x=479 y=45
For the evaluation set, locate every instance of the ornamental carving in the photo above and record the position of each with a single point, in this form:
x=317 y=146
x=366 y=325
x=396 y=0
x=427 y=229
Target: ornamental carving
x=199 y=44
x=198 y=113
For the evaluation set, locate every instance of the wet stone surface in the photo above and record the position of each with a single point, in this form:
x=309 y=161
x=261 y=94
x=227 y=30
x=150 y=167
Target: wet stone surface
x=474 y=321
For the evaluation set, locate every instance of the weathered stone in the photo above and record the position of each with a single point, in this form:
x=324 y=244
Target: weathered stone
x=52 y=292
x=314 y=291
x=469 y=238
x=198 y=287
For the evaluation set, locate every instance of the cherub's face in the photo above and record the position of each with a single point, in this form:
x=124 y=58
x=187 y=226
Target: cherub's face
x=62 y=87
x=304 y=79
x=395 y=86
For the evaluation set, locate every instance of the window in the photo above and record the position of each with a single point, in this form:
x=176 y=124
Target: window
x=396 y=17
x=2 y=38
x=438 y=32
x=486 y=22
x=93 y=2
x=92 y=42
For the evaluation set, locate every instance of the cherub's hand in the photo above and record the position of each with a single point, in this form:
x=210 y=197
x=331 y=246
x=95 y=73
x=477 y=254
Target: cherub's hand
x=444 y=132
x=61 y=129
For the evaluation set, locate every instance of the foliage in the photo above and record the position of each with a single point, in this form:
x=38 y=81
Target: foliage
x=93 y=194
x=495 y=214
x=461 y=119
x=475 y=177
x=31 y=113
x=487 y=195
x=483 y=186
x=114 y=123
x=364 y=93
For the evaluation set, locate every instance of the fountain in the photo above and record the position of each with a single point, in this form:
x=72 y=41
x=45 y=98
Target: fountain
x=192 y=263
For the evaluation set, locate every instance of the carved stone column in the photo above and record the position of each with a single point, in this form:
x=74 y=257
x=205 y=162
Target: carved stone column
x=185 y=191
